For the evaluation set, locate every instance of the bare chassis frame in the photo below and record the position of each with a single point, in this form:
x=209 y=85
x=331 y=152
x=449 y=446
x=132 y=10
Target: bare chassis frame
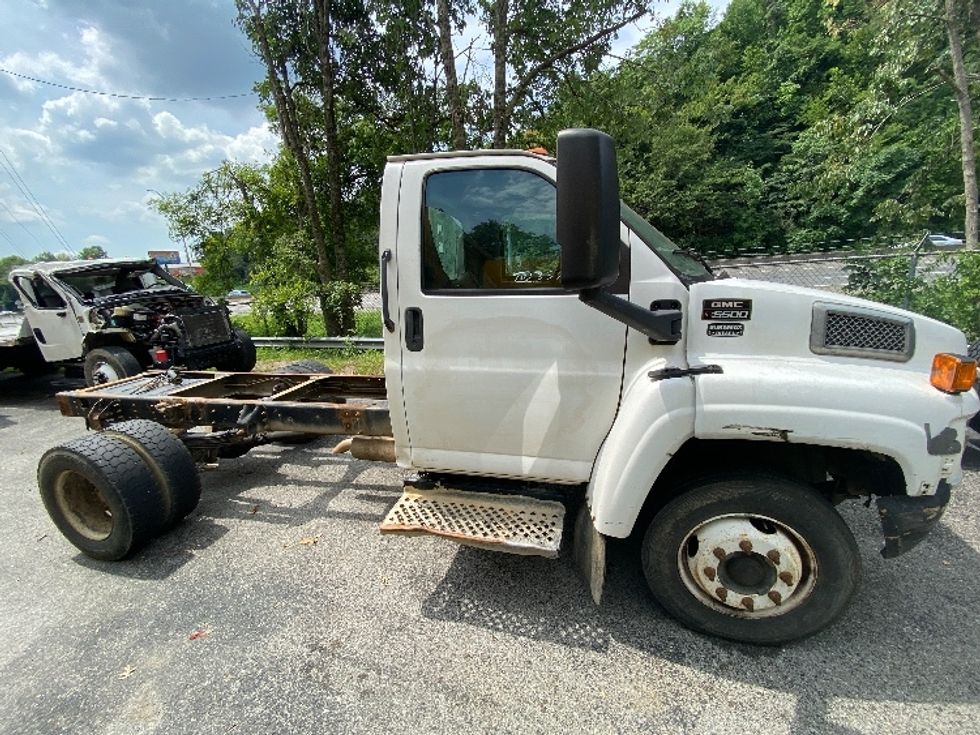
x=239 y=408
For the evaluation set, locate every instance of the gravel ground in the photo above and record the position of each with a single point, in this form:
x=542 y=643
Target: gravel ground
x=230 y=624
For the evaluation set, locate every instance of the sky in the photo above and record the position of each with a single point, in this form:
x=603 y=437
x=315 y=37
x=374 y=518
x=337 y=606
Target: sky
x=93 y=162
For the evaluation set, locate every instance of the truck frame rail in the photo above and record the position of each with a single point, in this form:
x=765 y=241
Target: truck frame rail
x=249 y=404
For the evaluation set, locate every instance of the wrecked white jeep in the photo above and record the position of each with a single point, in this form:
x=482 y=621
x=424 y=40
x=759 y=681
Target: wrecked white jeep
x=117 y=318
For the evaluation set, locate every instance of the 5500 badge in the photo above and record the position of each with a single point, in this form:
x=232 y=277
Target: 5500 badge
x=726 y=310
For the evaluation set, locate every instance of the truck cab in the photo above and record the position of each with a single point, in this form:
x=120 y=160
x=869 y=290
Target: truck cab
x=538 y=330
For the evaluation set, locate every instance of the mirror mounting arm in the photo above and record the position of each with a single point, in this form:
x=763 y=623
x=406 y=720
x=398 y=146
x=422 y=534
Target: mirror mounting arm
x=662 y=326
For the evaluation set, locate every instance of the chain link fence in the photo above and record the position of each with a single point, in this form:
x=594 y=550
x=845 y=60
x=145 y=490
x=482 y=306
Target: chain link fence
x=861 y=273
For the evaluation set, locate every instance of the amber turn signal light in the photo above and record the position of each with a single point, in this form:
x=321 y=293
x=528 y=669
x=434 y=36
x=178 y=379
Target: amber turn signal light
x=953 y=373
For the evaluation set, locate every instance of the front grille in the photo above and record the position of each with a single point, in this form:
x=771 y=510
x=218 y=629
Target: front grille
x=204 y=329
x=858 y=332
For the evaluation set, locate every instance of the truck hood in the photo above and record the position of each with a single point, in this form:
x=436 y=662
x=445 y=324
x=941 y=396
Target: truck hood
x=735 y=317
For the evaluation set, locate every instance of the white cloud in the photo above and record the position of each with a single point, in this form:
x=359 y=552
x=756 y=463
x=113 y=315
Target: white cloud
x=100 y=240
x=88 y=71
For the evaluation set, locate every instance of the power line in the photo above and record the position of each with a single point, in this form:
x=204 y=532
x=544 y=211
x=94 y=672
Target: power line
x=120 y=95
x=6 y=237
x=13 y=218
x=26 y=191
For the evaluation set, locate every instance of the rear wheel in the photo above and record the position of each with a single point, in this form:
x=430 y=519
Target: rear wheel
x=754 y=558
x=106 y=364
x=170 y=460
x=102 y=496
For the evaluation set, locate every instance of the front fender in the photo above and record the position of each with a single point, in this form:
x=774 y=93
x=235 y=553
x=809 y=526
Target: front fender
x=655 y=419
x=891 y=411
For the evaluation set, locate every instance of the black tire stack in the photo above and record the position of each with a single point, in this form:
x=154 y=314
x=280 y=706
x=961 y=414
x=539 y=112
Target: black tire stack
x=111 y=492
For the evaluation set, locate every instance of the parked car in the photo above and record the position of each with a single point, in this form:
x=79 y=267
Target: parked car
x=237 y=293
x=943 y=241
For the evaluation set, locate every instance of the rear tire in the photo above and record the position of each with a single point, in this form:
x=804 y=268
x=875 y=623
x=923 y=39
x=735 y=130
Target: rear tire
x=171 y=462
x=753 y=558
x=101 y=495
x=107 y=364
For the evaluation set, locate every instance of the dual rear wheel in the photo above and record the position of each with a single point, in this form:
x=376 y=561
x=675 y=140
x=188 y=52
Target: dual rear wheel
x=111 y=492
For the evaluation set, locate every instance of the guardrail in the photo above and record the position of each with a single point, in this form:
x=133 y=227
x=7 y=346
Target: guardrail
x=321 y=343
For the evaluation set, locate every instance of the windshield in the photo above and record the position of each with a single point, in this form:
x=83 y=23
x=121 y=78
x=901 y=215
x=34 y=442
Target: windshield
x=682 y=262
x=94 y=284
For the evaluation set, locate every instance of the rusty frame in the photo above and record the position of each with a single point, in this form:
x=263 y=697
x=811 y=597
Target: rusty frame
x=254 y=403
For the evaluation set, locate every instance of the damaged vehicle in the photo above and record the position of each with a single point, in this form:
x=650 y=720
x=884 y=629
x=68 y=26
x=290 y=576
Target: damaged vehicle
x=118 y=317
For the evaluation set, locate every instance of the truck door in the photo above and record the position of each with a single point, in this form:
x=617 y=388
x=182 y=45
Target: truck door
x=51 y=319
x=502 y=373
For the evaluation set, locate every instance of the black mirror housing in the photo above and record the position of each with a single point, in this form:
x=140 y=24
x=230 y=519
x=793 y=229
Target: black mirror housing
x=588 y=209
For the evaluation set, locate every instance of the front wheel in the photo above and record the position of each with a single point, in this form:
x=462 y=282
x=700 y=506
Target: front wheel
x=753 y=558
x=242 y=356
x=107 y=364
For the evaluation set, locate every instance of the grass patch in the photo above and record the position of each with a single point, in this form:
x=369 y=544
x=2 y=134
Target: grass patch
x=345 y=362
x=366 y=324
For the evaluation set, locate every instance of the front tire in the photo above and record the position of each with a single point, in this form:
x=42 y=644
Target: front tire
x=242 y=356
x=108 y=364
x=753 y=558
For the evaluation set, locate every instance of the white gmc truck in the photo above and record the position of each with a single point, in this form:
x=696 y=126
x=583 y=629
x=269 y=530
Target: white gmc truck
x=546 y=348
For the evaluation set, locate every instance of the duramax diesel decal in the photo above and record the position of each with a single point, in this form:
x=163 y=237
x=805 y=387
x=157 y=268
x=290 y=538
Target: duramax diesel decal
x=726 y=329
x=726 y=310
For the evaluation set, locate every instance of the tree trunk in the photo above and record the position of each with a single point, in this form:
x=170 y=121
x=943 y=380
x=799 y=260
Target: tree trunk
x=961 y=89
x=289 y=128
x=456 y=116
x=501 y=120
x=342 y=321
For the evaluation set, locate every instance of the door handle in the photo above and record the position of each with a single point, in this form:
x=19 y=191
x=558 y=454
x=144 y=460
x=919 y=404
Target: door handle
x=385 y=259
x=414 y=339
x=61 y=313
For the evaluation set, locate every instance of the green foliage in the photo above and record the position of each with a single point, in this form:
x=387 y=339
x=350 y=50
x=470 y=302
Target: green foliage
x=350 y=362
x=951 y=296
x=92 y=252
x=338 y=300
x=286 y=289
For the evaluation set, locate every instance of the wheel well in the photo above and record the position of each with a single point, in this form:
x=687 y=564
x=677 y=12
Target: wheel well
x=835 y=472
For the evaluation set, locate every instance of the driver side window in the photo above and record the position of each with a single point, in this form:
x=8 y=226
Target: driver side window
x=39 y=293
x=489 y=229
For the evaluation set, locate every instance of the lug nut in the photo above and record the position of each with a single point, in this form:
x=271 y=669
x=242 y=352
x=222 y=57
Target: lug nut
x=722 y=593
x=776 y=597
x=786 y=577
x=709 y=572
x=746 y=546
x=748 y=604
x=773 y=556
x=719 y=553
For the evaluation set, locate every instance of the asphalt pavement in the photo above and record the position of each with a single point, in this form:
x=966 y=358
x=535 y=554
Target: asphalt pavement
x=277 y=607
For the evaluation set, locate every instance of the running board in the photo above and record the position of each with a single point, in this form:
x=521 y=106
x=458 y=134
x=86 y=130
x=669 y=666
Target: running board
x=515 y=524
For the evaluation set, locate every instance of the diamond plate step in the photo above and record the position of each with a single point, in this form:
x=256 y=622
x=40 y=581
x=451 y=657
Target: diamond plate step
x=512 y=523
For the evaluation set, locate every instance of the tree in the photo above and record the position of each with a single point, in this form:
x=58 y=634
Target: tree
x=92 y=252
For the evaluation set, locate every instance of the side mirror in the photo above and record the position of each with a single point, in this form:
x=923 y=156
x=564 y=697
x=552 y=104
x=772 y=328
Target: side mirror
x=588 y=209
